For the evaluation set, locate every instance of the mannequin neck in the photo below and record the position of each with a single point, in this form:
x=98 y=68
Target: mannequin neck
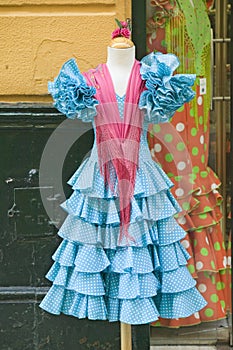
x=120 y=63
x=122 y=57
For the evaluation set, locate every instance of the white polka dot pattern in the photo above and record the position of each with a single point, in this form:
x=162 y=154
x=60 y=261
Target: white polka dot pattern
x=95 y=275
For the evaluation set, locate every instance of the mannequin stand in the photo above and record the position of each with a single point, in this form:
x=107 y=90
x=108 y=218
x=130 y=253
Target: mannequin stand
x=126 y=337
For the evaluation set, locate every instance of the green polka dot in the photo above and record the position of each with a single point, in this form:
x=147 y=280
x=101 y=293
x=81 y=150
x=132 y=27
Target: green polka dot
x=202 y=216
x=223 y=245
x=178 y=178
x=194 y=131
x=163 y=43
x=192 y=112
x=220 y=285
x=156 y=128
x=203 y=174
x=204 y=252
x=222 y=272
x=223 y=304
x=201 y=119
x=213 y=280
x=212 y=264
x=180 y=109
x=205 y=128
x=157 y=324
x=180 y=146
x=170 y=174
x=203 y=159
x=217 y=246
x=195 y=151
x=193 y=176
x=168 y=138
x=206 y=274
x=209 y=312
x=169 y=157
x=191 y=181
x=196 y=169
x=194 y=242
x=191 y=268
x=205 y=146
x=207 y=208
x=186 y=205
x=214 y=298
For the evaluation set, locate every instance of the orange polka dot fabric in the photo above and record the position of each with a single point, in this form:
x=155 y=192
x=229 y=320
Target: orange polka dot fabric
x=181 y=148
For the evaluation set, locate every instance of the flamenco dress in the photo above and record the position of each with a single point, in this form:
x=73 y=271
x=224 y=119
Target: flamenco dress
x=100 y=272
x=186 y=32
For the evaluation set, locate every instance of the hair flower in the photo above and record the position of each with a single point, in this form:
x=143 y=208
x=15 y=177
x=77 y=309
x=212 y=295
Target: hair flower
x=124 y=29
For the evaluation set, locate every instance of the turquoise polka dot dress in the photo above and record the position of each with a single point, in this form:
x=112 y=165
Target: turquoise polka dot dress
x=97 y=276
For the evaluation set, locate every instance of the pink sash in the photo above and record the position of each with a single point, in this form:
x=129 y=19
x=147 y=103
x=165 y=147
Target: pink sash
x=118 y=140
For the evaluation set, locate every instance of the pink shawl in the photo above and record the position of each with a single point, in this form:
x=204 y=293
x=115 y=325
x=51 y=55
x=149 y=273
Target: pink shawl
x=118 y=139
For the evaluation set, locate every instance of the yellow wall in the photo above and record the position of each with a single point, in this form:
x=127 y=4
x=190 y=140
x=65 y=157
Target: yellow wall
x=37 y=36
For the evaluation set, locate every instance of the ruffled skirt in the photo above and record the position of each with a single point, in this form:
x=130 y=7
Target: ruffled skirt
x=98 y=276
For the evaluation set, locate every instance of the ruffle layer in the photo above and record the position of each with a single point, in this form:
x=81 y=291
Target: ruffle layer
x=208 y=249
x=71 y=94
x=111 y=284
x=201 y=183
x=107 y=212
x=201 y=208
x=60 y=300
x=135 y=260
x=128 y=311
x=205 y=244
x=165 y=93
x=88 y=179
x=143 y=233
x=99 y=308
x=214 y=288
x=187 y=302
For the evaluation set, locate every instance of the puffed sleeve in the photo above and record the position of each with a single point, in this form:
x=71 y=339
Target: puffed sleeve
x=71 y=94
x=165 y=92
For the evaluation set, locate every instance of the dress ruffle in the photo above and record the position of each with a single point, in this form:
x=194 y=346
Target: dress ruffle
x=93 y=267
x=103 y=283
x=88 y=179
x=197 y=192
x=165 y=93
x=165 y=231
x=147 y=208
x=71 y=94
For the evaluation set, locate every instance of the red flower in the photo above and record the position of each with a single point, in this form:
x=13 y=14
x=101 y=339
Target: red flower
x=125 y=32
x=116 y=33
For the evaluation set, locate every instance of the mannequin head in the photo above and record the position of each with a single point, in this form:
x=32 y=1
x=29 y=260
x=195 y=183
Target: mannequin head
x=121 y=43
x=121 y=35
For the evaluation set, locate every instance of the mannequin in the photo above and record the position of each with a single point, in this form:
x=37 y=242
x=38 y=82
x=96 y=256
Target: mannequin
x=120 y=60
x=120 y=72
x=120 y=225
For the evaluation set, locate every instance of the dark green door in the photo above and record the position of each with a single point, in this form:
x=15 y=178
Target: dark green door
x=28 y=238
